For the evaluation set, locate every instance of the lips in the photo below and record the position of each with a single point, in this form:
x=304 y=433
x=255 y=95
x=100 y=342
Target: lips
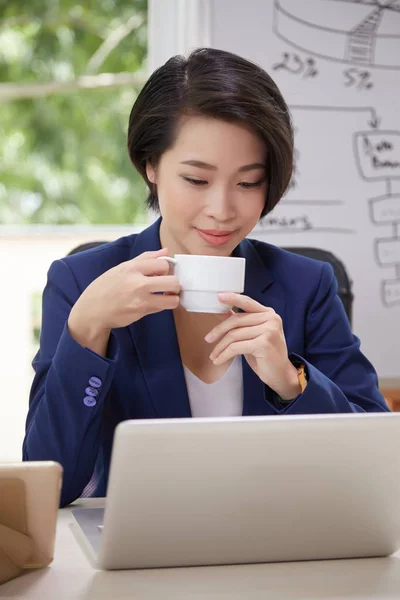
x=214 y=237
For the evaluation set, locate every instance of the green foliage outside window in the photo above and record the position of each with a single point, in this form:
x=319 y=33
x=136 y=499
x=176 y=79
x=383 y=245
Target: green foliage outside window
x=63 y=157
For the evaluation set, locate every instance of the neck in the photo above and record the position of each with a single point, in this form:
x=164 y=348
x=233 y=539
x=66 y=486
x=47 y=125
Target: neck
x=168 y=241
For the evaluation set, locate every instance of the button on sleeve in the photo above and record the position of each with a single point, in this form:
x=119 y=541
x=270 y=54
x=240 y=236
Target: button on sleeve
x=95 y=382
x=90 y=391
x=89 y=401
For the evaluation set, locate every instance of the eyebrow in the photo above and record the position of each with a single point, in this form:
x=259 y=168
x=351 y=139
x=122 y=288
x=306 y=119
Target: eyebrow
x=203 y=165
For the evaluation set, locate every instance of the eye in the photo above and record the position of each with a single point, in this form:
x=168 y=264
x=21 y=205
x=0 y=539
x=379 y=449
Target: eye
x=195 y=181
x=248 y=184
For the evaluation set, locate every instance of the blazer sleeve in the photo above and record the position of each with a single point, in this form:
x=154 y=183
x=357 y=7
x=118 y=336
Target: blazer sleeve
x=340 y=377
x=64 y=417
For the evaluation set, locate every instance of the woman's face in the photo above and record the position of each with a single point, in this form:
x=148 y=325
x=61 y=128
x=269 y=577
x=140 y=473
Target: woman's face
x=211 y=186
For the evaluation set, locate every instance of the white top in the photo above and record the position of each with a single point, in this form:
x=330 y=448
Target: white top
x=223 y=398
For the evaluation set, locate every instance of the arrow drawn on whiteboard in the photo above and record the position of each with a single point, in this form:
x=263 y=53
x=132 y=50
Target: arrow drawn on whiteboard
x=373 y=122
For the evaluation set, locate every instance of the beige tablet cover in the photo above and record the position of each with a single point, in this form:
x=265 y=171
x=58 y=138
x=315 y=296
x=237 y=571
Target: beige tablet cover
x=29 y=500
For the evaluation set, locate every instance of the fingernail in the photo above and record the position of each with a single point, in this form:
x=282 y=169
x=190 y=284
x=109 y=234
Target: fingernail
x=223 y=296
x=211 y=357
x=209 y=337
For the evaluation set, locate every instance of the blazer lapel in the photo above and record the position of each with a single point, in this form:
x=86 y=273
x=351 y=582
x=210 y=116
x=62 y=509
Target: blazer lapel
x=157 y=348
x=260 y=286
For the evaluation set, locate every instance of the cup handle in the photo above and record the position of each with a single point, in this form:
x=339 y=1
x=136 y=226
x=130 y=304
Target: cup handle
x=172 y=261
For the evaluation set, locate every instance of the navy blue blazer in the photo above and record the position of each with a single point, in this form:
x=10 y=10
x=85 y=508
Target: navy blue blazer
x=142 y=376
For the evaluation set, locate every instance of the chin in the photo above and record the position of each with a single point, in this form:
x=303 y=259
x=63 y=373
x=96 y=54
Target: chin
x=216 y=252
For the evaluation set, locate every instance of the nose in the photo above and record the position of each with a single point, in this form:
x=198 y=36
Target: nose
x=219 y=205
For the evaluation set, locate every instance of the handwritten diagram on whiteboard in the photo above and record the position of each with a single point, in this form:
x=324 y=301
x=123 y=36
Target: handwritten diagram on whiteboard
x=361 y=32
x=376 y=155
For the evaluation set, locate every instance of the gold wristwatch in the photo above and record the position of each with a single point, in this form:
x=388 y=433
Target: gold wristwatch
x=301 y=375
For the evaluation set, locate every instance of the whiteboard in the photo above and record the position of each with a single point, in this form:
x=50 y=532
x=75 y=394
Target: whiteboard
x=337 y=63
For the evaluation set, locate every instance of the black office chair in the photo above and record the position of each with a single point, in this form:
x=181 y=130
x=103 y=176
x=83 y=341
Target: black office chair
x=343 y=280
x=85 y=246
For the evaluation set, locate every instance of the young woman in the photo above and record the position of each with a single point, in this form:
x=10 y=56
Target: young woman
x=211 y=135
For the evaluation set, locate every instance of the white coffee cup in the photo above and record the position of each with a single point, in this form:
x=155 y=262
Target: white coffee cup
x=202 y=278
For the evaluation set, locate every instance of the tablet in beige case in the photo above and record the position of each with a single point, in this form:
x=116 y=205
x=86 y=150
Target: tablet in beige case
x=29 y=501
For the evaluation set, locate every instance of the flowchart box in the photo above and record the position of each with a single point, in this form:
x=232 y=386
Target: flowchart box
x=391 y=292
x=377 y=154
x=385 y=209
x=388 y=251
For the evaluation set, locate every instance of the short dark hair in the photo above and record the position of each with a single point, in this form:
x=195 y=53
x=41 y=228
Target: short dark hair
x=218 y=84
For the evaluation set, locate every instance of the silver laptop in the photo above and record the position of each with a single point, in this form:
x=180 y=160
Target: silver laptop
x=245 y=490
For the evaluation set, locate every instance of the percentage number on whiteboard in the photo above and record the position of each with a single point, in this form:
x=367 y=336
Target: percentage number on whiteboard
x=359 y=79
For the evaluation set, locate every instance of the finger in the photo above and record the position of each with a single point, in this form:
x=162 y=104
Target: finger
x=152 y=254
x=243 y=302
x=153 y=266
x=236 y=320
x=235 y=349
x=157 y=303
x=163 y=283
x=237 y=335
x=170 y=266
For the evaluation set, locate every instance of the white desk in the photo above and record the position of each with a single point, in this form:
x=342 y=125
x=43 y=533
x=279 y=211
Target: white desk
x=71 y=576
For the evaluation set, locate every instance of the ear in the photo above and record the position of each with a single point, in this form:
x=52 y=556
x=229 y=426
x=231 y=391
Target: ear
x=151 y=172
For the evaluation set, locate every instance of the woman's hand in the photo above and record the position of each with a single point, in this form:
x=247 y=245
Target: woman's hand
x=121 y=296
x=257 y=333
